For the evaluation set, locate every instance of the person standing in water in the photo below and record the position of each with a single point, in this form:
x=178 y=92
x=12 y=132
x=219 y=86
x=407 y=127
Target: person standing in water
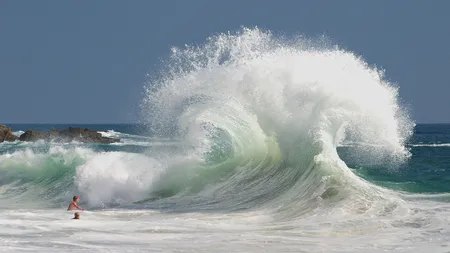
x=73 y=205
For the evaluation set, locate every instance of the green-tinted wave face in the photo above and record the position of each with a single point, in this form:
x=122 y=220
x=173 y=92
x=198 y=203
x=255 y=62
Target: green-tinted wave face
x=40 y=174
x=221 y=148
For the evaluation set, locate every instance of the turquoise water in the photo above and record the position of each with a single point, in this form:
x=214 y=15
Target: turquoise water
x=428 y=169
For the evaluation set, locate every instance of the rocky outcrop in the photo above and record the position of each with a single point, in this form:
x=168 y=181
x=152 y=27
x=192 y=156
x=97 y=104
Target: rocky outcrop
x=6 y=134
x=78 y=134
x=65 y=135
x=31 y=135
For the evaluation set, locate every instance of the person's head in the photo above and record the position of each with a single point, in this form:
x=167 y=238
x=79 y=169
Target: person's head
x=76 y=216
x=75 y=198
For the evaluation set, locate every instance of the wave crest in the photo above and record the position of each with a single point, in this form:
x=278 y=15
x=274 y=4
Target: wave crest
x=284 y=106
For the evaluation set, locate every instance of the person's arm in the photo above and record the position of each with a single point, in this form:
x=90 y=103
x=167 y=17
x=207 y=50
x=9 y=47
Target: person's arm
x=79 y=208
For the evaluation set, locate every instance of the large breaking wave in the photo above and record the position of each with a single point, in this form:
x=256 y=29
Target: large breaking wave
x=257 y=119
x=264 y=116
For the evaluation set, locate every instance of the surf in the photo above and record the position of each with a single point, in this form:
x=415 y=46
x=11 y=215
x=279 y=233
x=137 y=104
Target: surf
x=275 y=109
x=247 y=120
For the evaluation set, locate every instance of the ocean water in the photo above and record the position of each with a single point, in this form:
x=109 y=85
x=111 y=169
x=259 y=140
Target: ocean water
x=248 y=143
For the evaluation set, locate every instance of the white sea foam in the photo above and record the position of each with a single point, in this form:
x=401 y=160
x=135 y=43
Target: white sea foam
x=110 y=134
x=431 y=145
x=18 y=133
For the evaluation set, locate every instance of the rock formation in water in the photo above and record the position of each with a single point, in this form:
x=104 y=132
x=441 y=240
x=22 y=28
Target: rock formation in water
x=6 y=134
x=65 y=135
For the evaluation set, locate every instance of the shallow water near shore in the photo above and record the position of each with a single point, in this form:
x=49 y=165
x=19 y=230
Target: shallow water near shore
x=141 y=231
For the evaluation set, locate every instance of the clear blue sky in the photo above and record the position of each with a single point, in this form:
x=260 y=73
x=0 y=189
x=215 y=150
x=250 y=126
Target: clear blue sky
x=86 y=61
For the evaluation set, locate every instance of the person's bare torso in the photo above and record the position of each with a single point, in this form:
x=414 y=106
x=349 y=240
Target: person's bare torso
x=72 y=206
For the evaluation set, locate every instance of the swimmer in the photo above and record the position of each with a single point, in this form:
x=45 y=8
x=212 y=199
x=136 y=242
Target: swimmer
x=74 y=205
x=76 y=216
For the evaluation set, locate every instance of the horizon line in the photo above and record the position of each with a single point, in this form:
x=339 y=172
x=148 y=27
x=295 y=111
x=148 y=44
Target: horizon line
x=63 y=123
x=123 y=123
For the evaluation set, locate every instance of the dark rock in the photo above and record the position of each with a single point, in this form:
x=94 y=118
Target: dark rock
x=68 y=135
x=83 y=135
x=31 y=135
x=6 y=134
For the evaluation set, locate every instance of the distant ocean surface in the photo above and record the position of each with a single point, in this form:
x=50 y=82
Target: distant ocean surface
x=249 y=143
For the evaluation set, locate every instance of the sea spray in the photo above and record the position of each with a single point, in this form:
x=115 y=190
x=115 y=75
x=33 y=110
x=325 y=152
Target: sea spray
x=284 y=106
